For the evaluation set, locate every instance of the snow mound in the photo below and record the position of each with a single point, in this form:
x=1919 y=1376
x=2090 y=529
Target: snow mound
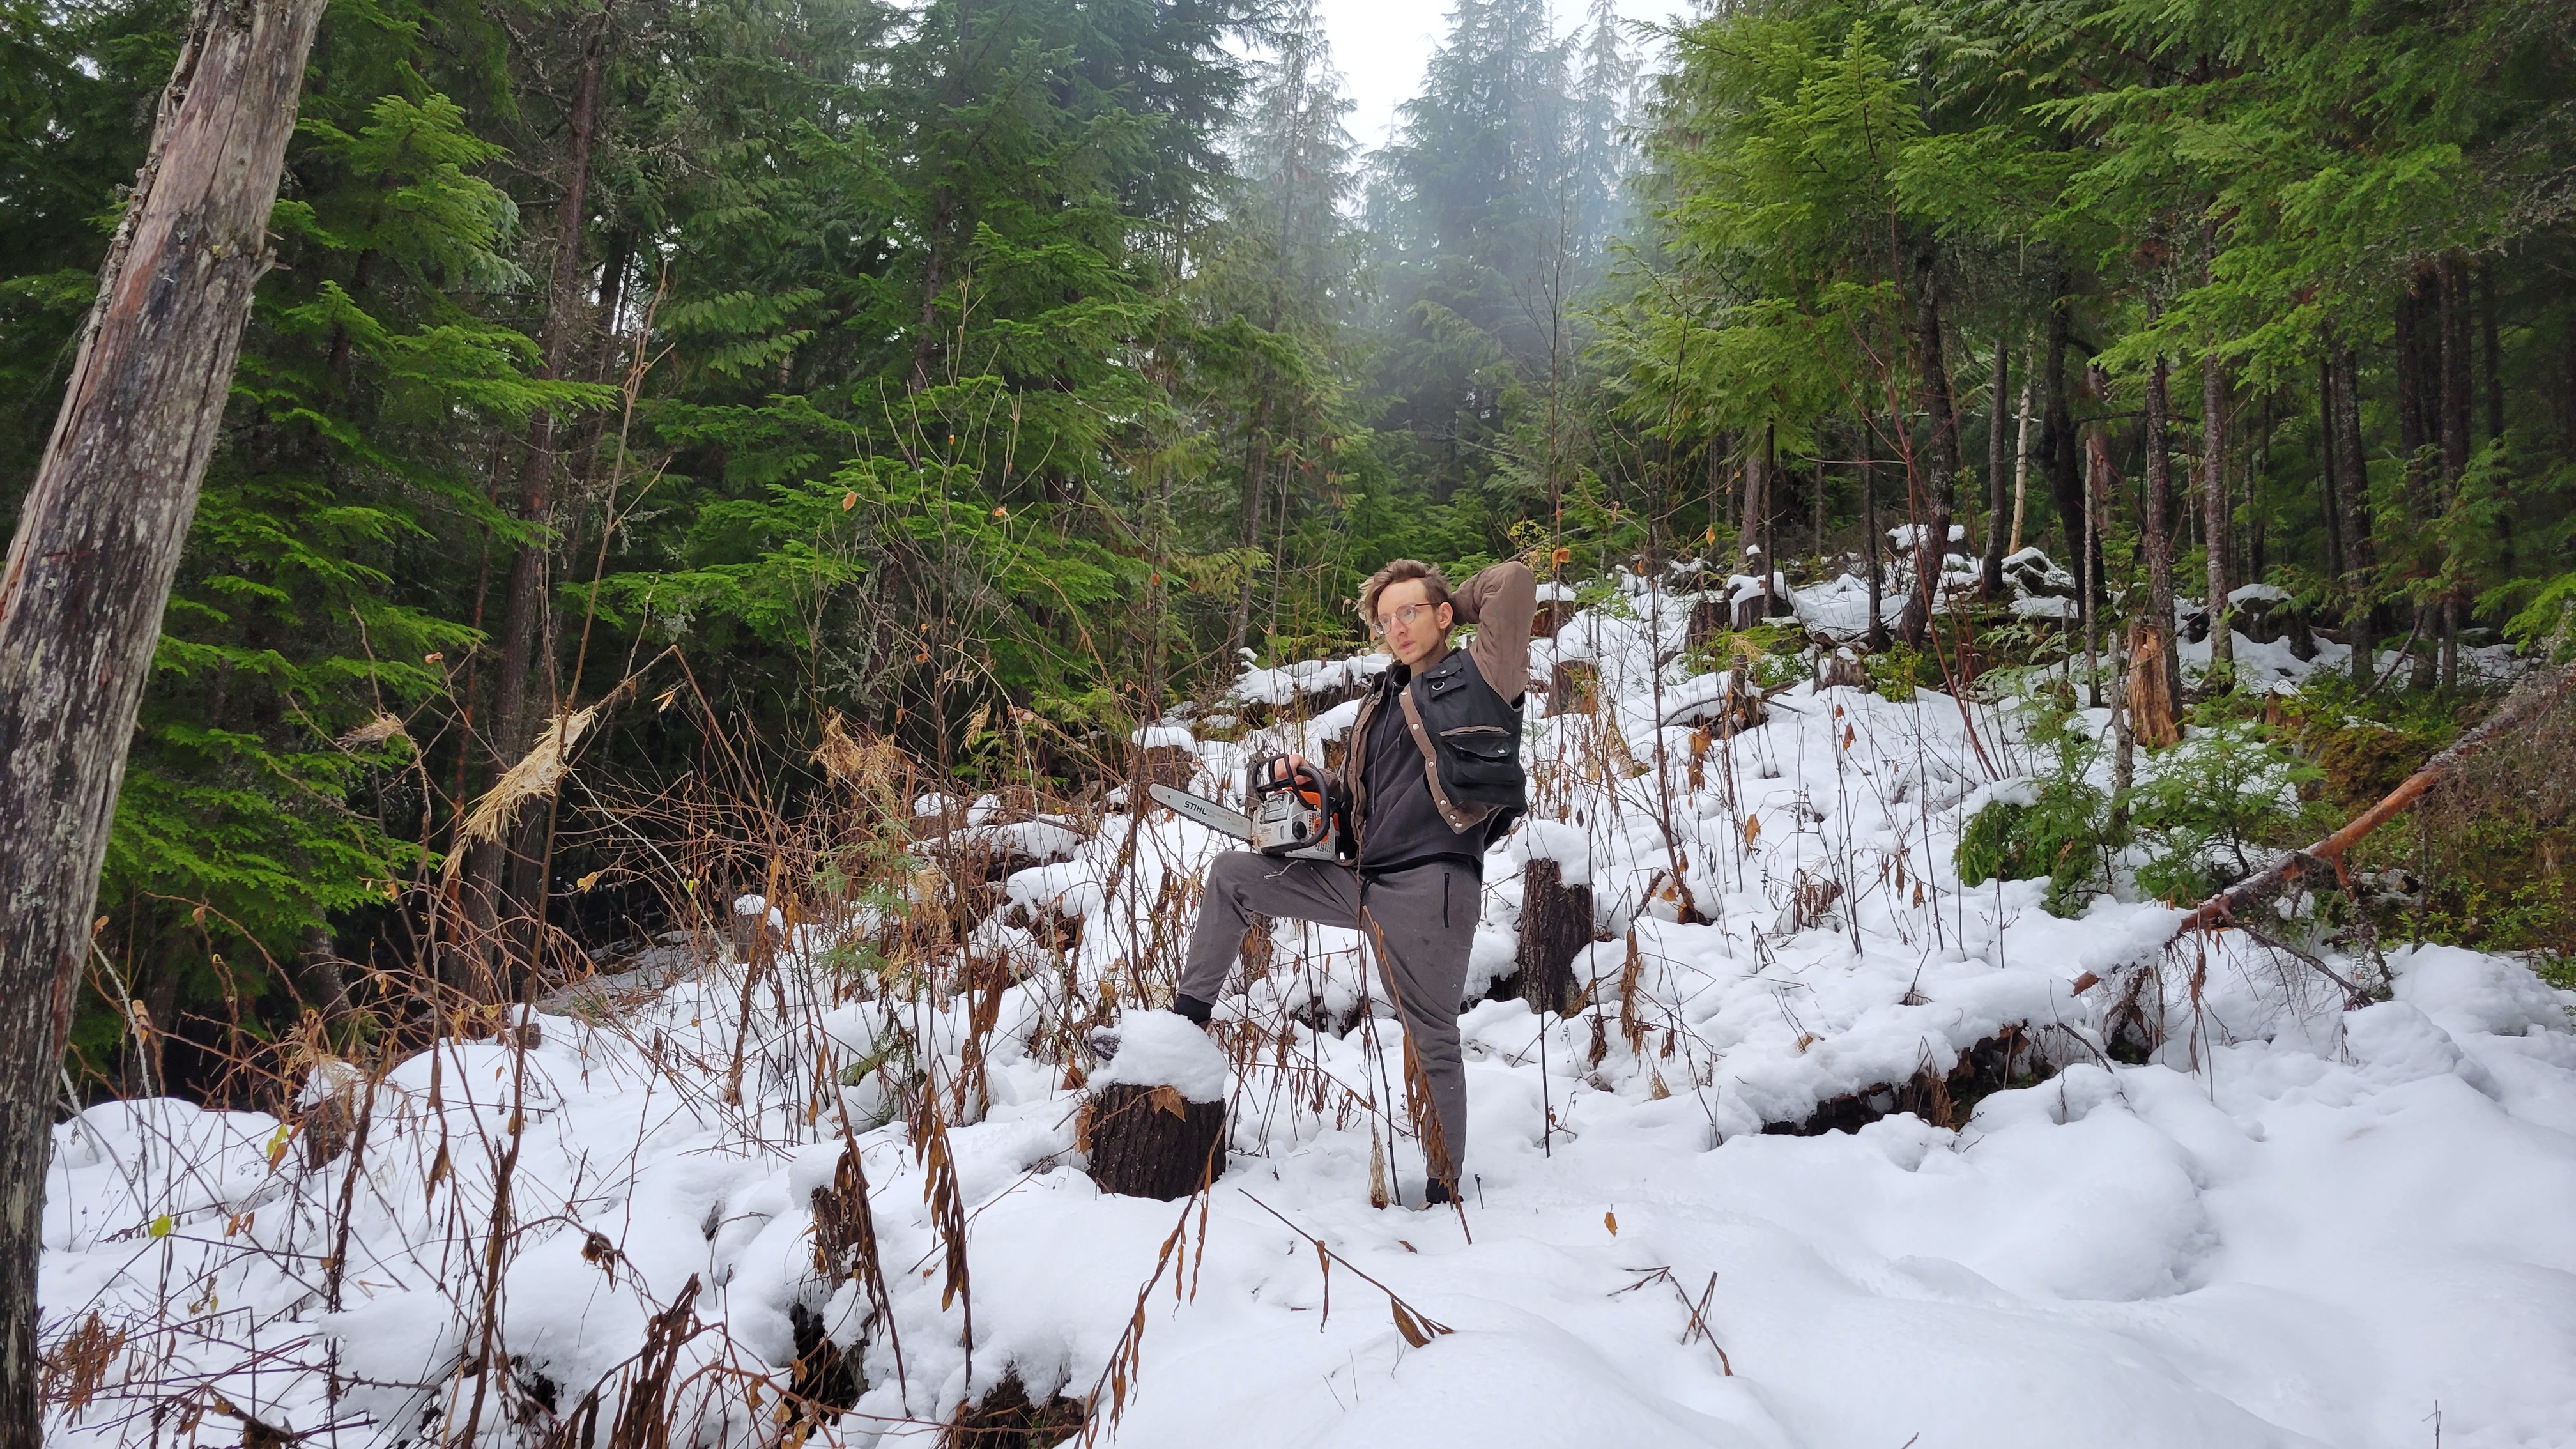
x=1165 y=1049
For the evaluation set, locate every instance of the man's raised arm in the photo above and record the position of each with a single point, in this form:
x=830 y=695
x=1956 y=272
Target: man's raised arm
x=1500 y=601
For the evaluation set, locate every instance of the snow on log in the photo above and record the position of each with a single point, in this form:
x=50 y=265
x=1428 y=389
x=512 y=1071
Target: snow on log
x=1155 y=1122
x=1944 y=1099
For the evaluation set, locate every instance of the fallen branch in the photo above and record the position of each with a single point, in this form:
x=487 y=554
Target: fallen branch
x=2535 y=695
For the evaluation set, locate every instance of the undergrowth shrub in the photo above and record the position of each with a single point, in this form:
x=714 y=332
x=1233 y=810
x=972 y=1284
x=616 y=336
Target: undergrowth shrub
x=2214 y=808
x=1895 y=672
x=2053 y=826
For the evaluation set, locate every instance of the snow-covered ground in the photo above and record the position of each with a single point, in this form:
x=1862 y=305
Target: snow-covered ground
x=2295 y=1225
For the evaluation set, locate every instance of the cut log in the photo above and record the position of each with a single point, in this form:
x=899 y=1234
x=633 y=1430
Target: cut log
x=1944 y=1099
x=1152 y=1141
x=1556 y=924
x=1550 y=617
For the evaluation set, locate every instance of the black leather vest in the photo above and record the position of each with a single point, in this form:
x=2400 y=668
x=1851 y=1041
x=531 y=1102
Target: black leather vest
x=1469 y=738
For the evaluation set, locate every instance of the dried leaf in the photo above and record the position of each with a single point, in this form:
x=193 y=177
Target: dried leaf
x=374 y=732
x=534 y=776
x=1406 y=1325
x=1752 y=829
x=1610 y=1220
x=1324 y=1260
x=2086 y=982
x=1169 y=1099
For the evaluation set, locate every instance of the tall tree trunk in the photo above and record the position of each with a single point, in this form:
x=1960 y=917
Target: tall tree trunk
x=1754 y=557
x=1991 y=580
x=2492 y=350
x=2419 y=425
x=2021 y=466
x=2214 y=521
x=2094 y=504
x=2158 y=521
x=1256 y=474
x=925 y=333
x=2458 y=408
x=2058 y=447
x=98 y=542
x=2458 y=402
x=1876 y=636
x=2352 y=475
x=2330 y=501
x=1941 y=449
x=500 y=878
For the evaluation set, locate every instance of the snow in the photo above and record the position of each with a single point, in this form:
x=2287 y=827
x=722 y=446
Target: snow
x=1163 y=1049
x=2291 y=1225
x=1306 y=677
x=1154 y=737
x=2258 y=593
x=1556 y=841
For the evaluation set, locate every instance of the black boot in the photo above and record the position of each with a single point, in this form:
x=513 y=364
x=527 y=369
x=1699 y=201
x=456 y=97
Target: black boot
x=1435 y=1192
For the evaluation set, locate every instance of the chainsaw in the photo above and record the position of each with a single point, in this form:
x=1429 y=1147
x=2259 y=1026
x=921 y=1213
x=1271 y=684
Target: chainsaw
x=1293 y=816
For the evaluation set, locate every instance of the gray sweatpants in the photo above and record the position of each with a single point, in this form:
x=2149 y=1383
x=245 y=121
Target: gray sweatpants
x=1419 y=923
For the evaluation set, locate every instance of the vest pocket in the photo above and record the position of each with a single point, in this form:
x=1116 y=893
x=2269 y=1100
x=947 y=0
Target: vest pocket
x=1483 y=755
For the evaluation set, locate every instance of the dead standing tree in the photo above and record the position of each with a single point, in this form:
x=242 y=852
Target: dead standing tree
x=98 y=543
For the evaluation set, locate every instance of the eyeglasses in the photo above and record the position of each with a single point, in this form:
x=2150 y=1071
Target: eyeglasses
x=1409 y=615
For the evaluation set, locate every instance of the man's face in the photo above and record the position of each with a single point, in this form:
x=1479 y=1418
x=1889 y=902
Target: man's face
x=1416 y=633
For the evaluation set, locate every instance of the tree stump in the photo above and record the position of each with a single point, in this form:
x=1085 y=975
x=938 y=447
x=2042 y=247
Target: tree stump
x=756 y=928
x=1709 y=618
x=1573 y=686
x=1556 y=924
x=1551 y=616
x=1841 y=669
x=1154 y=1125
x=1171 y=765
x=2151 y=700
x=1152 y=1141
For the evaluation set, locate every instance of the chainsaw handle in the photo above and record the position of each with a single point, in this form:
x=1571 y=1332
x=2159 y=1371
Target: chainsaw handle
x=1290 y=772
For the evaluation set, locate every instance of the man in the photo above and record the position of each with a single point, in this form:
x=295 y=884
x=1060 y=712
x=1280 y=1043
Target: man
x=1433 y=778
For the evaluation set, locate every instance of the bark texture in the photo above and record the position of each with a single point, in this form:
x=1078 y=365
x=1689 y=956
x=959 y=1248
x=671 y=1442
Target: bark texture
x=1153 y=1142
x=98 y=542
x=1556 y=924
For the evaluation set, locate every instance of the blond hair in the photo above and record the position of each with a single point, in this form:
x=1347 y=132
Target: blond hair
x=1435 y=586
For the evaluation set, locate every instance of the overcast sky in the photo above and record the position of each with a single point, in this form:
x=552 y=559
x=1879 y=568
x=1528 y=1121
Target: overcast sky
x=1380 y=46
